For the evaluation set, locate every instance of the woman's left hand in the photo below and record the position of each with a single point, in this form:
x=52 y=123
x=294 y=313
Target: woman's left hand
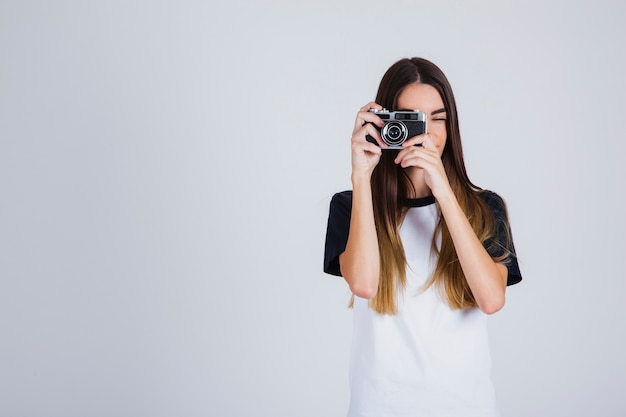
x=428 y=158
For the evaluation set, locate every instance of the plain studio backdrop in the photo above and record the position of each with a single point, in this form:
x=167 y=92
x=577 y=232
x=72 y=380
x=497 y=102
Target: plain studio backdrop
x=165 y=174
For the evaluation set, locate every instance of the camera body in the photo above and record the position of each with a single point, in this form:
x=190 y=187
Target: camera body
x=399 y=126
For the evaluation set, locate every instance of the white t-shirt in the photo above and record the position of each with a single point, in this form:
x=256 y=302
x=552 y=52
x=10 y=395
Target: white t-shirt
x=428 y=359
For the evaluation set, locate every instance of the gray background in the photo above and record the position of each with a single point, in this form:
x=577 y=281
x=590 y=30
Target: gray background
x=165 y=174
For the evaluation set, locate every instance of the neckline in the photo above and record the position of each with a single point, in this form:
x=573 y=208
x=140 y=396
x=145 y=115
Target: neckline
x=419 y=202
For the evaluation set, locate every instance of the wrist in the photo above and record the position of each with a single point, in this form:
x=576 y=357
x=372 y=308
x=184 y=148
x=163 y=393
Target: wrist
x=360 y=179
x=444 y=196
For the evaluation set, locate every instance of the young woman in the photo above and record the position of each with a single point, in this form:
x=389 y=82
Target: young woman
x=427 y=255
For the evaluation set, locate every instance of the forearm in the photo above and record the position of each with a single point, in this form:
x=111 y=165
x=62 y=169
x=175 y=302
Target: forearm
x=485 y=277
x=360 y=262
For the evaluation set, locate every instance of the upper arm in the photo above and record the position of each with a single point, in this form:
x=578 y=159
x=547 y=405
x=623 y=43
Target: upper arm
x=503 y=270
x=337 y=231
x=500 y=246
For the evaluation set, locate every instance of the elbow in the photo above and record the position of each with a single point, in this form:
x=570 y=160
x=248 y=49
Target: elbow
x=365 y=288
x=493 y=305
x=363 y=283
x=364 y=291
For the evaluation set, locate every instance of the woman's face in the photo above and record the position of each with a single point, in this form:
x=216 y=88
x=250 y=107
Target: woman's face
x=426 y=98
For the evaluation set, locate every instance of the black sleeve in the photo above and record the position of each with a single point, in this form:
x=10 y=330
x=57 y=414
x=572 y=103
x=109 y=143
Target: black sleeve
x=503 y=240
x=337 y=231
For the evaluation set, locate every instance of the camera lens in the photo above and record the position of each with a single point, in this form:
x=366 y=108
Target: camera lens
x=394 y=133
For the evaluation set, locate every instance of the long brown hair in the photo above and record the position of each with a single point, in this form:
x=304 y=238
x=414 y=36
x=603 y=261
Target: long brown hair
x=391 y=186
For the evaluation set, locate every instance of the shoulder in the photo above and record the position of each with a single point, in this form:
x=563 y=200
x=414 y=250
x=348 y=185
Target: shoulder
x=342 y=197
x=342 y=201
x=493 y=201
x=491 y=198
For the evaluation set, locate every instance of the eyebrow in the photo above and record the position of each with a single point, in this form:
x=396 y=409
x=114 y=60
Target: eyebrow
x=442 y=110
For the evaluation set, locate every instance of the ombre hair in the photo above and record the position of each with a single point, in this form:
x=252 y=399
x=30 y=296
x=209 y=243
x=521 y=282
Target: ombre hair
x=391 y=186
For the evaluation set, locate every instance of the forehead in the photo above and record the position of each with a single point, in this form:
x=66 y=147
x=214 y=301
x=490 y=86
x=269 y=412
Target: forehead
x=420 y=96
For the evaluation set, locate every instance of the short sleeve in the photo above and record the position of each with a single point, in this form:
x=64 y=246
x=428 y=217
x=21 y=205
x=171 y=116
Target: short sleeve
x=337 y=231
x=502 y=243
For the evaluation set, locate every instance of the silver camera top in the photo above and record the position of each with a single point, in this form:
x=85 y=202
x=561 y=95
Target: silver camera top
x=421 y=116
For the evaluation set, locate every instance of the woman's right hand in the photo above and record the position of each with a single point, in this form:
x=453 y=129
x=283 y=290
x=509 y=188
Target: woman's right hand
x=365 y=155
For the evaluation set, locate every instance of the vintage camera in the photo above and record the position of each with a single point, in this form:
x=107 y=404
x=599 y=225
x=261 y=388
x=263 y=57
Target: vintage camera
x=399 y=126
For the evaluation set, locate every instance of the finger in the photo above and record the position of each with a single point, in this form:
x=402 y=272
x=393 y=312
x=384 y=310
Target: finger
x=368 y=129
x=366 y=148
x=416 y=156
x=371 y=148
x=371 y=105
x=428 y=143
x=418 y=159
x=407 y=154
x=411 y=160
x=414 y=141
x=364 y=117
